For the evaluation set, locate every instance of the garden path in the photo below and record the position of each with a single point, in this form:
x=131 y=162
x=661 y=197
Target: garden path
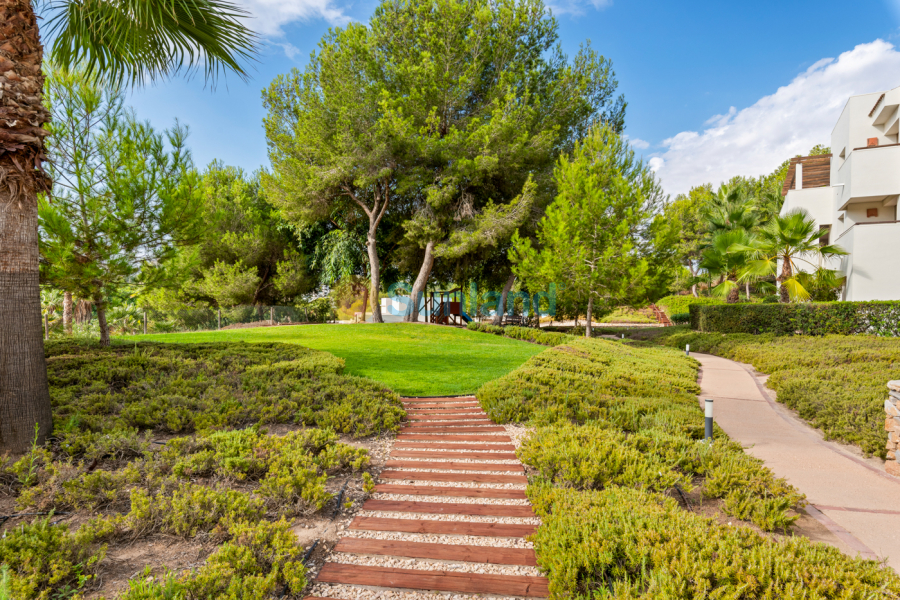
x=449 y=514
x=852 y=500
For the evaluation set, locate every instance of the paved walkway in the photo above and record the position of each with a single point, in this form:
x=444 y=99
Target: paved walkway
x=853 y=502
x=449 y=514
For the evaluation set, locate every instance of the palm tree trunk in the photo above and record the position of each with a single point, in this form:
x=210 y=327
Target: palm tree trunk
x=419 y=285
x=786 y=273
x=501 y=308
x=734 y=295
x=24 y=394
x=67 y=313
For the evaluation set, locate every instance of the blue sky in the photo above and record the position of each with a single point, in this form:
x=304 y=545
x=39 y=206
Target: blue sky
x=714 y=88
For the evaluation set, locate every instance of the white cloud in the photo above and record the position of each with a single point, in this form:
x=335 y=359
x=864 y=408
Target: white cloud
x=754 y=140
x=576 y=7
x=290 y=50
x=269 y=17
x=637 y=143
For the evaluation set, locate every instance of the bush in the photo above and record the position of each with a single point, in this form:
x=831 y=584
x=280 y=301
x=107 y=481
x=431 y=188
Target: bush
x=673 y=305
x=617 y=415
x=103 y=398
x=681 y=318
x=835 y=382
x=50 y=561
x=528 y=334
x=808 y=318
x=627 y=543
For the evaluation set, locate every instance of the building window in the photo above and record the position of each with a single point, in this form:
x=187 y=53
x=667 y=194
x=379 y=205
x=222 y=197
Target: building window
x=825 y=239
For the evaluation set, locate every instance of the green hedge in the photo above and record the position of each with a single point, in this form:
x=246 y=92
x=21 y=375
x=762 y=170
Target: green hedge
x=527 y=334
x=808 y=318
x=673 y=305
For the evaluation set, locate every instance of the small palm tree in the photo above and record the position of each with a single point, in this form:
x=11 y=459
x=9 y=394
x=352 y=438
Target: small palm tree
x=787 y=240
x=721 y=259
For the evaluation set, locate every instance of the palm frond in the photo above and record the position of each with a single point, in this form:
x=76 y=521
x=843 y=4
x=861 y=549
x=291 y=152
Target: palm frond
x=795 y=289
x=134 y=41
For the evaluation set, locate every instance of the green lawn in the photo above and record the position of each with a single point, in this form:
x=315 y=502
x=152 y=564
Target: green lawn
x=411 y=359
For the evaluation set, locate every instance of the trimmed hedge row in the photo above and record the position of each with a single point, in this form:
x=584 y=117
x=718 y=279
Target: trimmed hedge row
x=807 y=318
x=526 y=334
x=673 y=305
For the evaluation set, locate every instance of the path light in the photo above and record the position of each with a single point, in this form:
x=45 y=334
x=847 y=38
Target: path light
x=709 y=419
x=687 y=349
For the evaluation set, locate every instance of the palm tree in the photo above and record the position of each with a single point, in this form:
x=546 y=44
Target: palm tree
x=720 y=260
x=787 y=240
x=127 y=41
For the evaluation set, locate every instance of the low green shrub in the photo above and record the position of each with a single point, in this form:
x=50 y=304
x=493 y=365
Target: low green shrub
x=673 y=305
x=528 y=334
x=681 y=318
x=806 y=318
x=104 y=398
x=835 y=382
x=627 y=543
x=47 y=561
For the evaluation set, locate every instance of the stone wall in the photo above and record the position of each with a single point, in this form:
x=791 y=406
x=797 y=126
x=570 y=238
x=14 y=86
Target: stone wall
x=892 y=425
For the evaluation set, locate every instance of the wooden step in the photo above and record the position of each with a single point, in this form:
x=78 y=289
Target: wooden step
x=442 y=424
x=451 y=454
x=450 y=552
x=473 y=477
x=436 y=398
x=426 y=526
x=454 y=446
x=456 y=492
x=422 y=437
x=449 y=508
x=439 y=405
x=460 y=429
x=458 y=411
x=451 y=466
x=444 y=581
x=456 y=417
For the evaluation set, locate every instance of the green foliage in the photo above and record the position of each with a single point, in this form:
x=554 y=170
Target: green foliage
x=124 y=197
x=681 y=318
x=527 y=334
x=834 y=382
x=626 y=543
x=99 y=395
x=673 y=305
x=602 y=235
x=808 y=318
x=47 y=561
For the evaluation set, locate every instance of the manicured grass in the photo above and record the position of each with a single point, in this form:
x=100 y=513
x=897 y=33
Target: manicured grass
x=411 y=359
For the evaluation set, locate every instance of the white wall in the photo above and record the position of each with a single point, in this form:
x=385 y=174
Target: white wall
x=871 y=267
x=818 y=202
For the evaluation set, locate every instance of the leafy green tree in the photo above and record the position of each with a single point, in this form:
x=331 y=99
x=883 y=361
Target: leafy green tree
x=132 y=40
x=248 y=253
x=593 y=237
x=124 y=196
x=783 y=243
x=688 y=211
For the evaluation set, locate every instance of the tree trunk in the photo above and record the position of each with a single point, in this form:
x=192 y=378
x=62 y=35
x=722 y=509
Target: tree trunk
x=67 y=313
x=375 y=270
x=419 y=285
x=734 y=295
x=747 y=288
x=786 y=273
x=101 y=320
x=365 y=305
x=588 y=324
x=24 y=394
x=693 y=271
x=501 y=308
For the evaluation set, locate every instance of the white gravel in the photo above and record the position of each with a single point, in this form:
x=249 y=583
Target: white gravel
x=464 y=484
x=349 y=592
x=452 y=499
x=476 y=461
x=518 y=434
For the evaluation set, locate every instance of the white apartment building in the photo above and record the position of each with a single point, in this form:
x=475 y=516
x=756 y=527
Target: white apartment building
x=853 y=192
